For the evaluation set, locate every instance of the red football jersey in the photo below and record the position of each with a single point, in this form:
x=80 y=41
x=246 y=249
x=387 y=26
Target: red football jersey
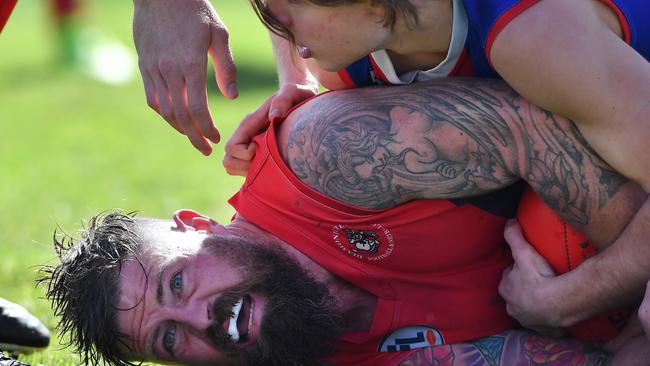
x=434 y=265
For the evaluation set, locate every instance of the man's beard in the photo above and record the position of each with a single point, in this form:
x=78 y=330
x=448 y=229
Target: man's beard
x=300 y=325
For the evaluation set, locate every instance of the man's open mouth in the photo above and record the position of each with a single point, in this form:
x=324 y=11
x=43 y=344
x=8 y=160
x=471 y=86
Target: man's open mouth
x=241 y=321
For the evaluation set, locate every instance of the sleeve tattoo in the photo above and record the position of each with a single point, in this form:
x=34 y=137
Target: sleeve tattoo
x=379 y=147
x=513 y=347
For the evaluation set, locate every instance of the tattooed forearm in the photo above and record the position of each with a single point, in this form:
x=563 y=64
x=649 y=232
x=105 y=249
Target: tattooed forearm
x=514 y=347
x=379 y=147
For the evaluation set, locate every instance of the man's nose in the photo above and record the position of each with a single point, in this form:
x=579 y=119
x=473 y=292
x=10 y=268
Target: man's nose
x=194 y=314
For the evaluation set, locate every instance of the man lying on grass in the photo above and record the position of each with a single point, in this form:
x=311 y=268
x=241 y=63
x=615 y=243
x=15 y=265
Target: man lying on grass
x=369 y=231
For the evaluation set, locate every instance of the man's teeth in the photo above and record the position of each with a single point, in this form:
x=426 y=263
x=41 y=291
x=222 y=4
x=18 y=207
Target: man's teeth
x=250 y=317
x=232 y=326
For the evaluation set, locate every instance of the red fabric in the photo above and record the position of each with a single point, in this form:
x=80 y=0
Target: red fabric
x=6 y=7
x=463 y=66
x=435 y=263
x=347 y=80
x=565 y=248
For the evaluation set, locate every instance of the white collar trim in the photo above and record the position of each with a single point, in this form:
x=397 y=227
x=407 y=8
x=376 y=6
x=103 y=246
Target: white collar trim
x=456 y=46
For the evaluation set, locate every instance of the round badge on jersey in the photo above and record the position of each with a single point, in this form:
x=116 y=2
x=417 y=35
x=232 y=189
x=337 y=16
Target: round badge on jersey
x=373 y=243
x=405 y=339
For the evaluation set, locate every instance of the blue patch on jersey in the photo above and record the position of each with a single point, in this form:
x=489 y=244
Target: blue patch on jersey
x=361 y=72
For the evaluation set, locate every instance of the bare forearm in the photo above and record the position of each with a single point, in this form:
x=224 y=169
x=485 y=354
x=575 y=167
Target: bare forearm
x=291 y=69
x=616 y=276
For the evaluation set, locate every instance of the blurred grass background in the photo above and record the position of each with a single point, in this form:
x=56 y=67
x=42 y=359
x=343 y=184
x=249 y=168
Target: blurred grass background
x=71 y=146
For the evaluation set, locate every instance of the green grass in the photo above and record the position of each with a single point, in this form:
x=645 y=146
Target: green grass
x=71 y=147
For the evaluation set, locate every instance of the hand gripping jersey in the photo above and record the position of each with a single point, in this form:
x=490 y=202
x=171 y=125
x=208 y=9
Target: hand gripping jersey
x=476 y=24
x=433 y=265
x=6 y=6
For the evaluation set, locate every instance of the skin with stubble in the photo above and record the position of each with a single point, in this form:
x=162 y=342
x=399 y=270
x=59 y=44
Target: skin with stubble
x=184 y=312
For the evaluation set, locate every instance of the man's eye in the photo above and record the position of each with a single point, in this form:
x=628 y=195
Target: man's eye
x=176 y=282
x=169 y=339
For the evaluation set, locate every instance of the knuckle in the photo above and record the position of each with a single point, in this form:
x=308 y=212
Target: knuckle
x=193 y=65
x=182 y=116
x=167 y=114
x=151 y=102
x=221 y=32
x=229 y=149
x=197 y=109
x=228 y=164
x=249 y=117
x=145 y=64
x=502 y=289
x=166 y=66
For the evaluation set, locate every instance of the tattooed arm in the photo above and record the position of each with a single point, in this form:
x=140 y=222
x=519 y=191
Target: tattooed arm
x=379 y=147
x=513 y=347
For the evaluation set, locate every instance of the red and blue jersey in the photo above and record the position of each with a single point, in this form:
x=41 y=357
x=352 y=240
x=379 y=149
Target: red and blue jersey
x=6 y=6
x=476 y=25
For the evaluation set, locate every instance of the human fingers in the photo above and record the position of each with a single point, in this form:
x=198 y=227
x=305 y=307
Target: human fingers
x=522 y=251
x=288 y=96
x=197 y=101
x=163 y=101
x=224 y=67
x=177 y=92
x=149 y=90
x=236 y=166
x=280 y=105
x=254 y=123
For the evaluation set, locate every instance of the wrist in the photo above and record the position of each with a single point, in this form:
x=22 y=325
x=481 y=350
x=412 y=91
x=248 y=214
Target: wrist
x=310 y=84
x=296 y=75
x=556 y=306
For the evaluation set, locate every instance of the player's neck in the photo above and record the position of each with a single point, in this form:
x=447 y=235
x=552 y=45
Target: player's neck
x=423 y=45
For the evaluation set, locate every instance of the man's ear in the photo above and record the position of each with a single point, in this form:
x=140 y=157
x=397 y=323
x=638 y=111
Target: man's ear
x=188 y=219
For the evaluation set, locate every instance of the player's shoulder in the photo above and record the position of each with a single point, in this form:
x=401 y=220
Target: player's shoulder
x=541 y=31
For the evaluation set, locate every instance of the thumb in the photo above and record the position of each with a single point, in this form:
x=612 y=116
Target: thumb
x=280 y=106
x=522 y=252
x=224 y=66
x=515 y=238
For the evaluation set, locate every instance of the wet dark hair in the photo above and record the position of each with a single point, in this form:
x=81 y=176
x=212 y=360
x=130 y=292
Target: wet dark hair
x=394 y=8
x=84 y=289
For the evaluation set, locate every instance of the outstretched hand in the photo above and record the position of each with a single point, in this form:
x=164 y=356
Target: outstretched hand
x=239 y=149
x=173 y=38
x=524 y=286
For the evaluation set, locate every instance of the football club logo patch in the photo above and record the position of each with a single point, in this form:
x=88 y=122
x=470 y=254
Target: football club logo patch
x=372 y=243
x=363 y=241
x=405 y=339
